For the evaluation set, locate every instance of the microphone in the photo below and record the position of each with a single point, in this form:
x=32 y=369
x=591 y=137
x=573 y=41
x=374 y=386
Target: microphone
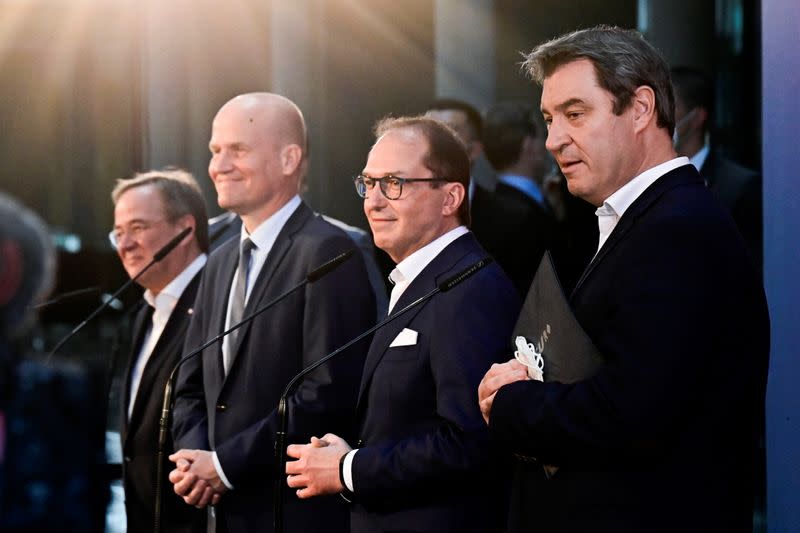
x=166 y=405
x=65 y=296
x=158 y=256
x=280 y=441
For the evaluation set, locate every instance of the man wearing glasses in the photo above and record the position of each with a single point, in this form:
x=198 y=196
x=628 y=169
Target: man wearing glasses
x=422 y=459
x=149 y=210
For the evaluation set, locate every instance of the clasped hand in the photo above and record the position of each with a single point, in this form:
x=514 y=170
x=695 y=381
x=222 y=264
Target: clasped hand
x=316 y=470
x=195 y=478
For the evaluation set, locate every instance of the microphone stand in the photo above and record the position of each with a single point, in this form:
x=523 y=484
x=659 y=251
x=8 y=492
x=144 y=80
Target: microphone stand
x=283 y=414
x=65 y=296
x=166 y=405
x=158 y=256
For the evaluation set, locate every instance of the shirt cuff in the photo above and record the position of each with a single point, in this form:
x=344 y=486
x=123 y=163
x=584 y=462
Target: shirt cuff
x=347 y=470
x=220 y=473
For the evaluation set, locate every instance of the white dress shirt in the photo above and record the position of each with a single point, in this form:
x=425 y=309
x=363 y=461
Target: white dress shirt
x=163 y=304
x=403 y=274
x=263 y=237
x=614 y=207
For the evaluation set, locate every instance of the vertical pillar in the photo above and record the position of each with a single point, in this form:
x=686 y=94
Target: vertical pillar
x=465 y=52
x=781 y=161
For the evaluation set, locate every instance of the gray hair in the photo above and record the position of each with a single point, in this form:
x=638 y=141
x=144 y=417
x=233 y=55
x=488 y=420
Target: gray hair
x=622 y=60
x=181 y=194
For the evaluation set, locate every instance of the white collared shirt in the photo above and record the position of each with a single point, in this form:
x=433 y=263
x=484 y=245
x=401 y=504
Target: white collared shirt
x=403 y=274
x=163 y=304
x=614 y=207
x=263 y=237
x=410 y=267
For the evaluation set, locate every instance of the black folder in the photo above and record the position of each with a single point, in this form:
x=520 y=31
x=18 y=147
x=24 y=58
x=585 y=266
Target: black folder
x=547 y=321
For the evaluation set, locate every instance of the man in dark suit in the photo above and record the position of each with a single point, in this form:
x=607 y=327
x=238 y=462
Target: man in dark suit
x=661 y=438
x=737 y=187
x=225 y=411
x=149 y=210
x=514 y=224
x=422 y=458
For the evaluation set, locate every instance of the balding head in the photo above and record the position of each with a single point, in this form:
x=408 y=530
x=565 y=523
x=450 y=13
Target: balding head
x=258 y=144
x=280 y=118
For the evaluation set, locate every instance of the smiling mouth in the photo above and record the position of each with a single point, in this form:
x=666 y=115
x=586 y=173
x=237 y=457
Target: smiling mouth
x=567 y=166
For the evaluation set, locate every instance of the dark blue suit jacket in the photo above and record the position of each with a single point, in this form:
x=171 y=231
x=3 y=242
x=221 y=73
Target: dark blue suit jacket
x=424 y=451
x=663 y=437
x=235 y=415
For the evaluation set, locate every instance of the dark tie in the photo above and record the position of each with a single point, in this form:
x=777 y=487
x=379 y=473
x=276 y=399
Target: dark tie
x=239 y=296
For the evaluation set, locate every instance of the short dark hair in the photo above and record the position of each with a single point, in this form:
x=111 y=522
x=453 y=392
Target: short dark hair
x=474 y=118
x=446 y=157
x=181 y=195
x=505 y=127
x=622 y=60
x=693 y=88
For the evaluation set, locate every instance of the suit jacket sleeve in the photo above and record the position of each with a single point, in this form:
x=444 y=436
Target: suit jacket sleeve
x=189 y=421
x=337 y=308
x=470 y=332
x=667 y=313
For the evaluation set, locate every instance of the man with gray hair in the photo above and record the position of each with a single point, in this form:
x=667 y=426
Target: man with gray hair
x=149 y=210
x=662 y=437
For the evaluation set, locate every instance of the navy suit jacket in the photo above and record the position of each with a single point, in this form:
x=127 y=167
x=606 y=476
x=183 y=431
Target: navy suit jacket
x=235 y=414
x=663 y=437
x=139 y=434
x=424 y=457
x=515 y=229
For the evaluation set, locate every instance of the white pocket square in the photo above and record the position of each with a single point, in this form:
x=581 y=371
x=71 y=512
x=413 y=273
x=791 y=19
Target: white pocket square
x=407 y=337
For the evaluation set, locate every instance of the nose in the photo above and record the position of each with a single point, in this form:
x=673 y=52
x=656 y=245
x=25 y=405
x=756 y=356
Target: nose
x=374 y=200
x=125 y=242
x=557 y=137
x=220 y=163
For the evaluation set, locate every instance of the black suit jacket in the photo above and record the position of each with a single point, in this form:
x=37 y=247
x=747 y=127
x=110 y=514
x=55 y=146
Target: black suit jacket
x=235 y=415
x=423 y=462
x=739 y=189
x=514 y=229
x=139 y=435
x=662 y=438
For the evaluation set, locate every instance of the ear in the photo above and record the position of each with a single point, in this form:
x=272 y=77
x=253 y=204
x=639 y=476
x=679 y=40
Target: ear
x=187 y=221
x=291 y=159
x=454 y=196
x=644 y=107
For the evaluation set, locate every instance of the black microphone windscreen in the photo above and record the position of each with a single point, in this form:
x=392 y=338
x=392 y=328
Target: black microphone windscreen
x=452 y=281
x=167 y=248
x=323 y=269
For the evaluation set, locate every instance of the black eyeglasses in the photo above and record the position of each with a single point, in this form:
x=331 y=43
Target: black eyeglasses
x=391 y=186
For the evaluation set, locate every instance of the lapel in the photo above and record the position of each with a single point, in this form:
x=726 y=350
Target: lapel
x=436 y=271
x=282 y=245
x=683 y=175
x=170 y=341
x=141 y=320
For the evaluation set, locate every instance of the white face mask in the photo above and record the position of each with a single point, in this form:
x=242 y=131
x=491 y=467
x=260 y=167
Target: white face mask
x=680 y=124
